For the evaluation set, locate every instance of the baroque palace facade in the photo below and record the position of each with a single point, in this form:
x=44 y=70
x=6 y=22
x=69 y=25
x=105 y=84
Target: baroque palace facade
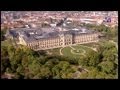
x=48 y=38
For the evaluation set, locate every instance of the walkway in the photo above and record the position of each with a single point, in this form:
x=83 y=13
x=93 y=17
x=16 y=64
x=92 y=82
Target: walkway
x=61 y=51
x=72 y=47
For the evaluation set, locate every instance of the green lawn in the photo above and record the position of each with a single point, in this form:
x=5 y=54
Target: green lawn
x=78 y=51
x=66 y=51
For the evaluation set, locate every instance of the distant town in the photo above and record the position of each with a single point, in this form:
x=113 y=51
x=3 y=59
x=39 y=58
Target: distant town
x=14 y=19
x=59 y=44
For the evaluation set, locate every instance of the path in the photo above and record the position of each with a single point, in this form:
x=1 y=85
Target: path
x=72 y=47
x=61 y=51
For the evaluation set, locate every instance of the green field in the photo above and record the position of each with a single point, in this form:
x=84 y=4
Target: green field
x=78 y=51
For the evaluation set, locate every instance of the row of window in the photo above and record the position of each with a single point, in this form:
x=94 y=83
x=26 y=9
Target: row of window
x=67 y=43
x=43 y=43
x=87 y=36
x=67 y=40
x=47 y=45
x=85 y=40
x=56 y=45
x=59 y=44
x=43 y=46
x=56 y=42
x=50 y=43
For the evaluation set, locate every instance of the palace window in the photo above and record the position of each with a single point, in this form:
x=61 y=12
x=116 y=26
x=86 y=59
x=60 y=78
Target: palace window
x=28 y=45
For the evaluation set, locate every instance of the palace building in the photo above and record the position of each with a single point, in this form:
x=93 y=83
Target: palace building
x=48 y=38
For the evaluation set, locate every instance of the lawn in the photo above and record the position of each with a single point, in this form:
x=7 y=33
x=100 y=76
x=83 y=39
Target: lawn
x=73 y=52
x=78 y=51
x=67 y=52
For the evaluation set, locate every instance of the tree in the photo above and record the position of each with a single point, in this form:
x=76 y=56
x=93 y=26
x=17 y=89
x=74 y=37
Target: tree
x=110 y=76
x=93 y=58
x=92 y=74
x=83 y=61
x=45 y=72
x=4 y=52
x=62 y=70
x=108 y=55
x=34 y=67
x=9 y=70
x=72 y=60
x=68 y=73
x=109 y=51
x=107 y=66
x=20 y=70
x=3 y=32
x=2 y=69
x=64 y=65
x=5 y=64
x=24 y=61
x=55 y=61
x=11 y=51
x=83 y=75
x=56 y=72
x=38 y=76
x=15 y=61
x=101 y=75
x=49 y=64
x=42 y=60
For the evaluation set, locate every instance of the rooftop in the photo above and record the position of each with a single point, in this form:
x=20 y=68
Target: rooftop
x=32 y=34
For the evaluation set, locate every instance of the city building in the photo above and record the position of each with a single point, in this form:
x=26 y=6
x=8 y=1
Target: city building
x=53 y=17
